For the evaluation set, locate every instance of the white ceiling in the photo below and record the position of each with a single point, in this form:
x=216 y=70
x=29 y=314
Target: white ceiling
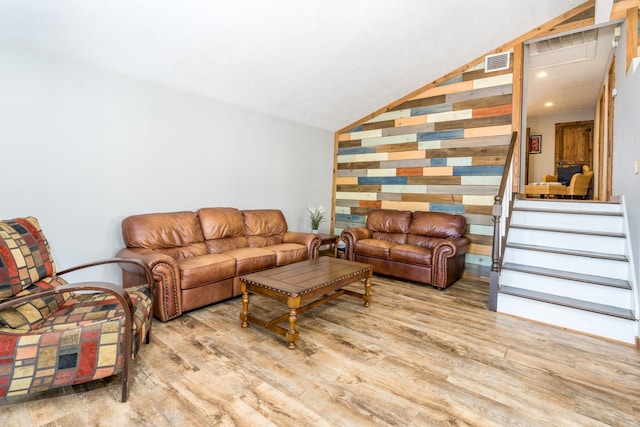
x=574 y=74
x=322 y=63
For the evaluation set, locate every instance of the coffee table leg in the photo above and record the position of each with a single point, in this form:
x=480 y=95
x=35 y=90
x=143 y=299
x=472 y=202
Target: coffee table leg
x=367 y=292
x=244 y=316
x=292 y=334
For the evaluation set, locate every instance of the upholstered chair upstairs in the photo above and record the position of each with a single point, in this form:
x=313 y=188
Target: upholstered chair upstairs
x=52 y=335
x=576 y=179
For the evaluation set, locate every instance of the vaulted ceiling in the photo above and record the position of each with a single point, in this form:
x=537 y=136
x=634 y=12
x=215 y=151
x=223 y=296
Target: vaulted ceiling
x=321 y=63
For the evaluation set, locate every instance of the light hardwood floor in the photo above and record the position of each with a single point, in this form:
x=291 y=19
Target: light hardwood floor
x=416 y=357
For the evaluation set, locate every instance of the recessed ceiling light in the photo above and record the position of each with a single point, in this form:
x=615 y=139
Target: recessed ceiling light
x=548 y=104
x=542 y=74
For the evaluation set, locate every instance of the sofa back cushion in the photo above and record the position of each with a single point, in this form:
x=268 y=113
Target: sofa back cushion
x=264 y=227
x=437 y=224
x=176 y=234
x=390 y=225
x=223 y=229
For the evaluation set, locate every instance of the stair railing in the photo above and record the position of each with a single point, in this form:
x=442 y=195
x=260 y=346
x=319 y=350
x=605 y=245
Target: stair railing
x=501 y=212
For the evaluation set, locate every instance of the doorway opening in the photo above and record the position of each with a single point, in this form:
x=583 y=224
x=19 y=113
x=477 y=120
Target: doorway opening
x=568 y=106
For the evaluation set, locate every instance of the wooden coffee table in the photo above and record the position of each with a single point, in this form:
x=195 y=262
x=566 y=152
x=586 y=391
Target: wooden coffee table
x=302 y=286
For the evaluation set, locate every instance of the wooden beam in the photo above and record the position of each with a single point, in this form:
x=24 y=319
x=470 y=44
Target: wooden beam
x=619 y=9
x=632 y=36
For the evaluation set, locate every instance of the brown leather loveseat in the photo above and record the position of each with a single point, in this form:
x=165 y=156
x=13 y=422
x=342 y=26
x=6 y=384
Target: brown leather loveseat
x=425 y=247
x=197 y=257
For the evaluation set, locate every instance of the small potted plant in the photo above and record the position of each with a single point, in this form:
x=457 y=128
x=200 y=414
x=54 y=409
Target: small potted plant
x=316 y=216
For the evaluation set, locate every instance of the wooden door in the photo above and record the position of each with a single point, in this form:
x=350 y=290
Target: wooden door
x=574 y=144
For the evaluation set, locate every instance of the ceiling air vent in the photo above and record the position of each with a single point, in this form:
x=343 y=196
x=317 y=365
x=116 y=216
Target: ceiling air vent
x=497 y=62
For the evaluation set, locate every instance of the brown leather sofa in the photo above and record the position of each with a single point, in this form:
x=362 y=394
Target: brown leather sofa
x=425 y=247
x=197 y=257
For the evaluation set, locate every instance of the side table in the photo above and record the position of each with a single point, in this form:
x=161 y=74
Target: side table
x=331 y=241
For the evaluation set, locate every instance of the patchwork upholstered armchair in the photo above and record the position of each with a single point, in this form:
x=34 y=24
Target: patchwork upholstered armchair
x=50 y=334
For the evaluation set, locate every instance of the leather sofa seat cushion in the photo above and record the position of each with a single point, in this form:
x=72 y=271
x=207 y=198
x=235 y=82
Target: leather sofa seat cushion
x=218 y=246
x=264 y=227
x=390 y=237
x=374 y=248
x=163 y=231
x=288 y=253
x=249 y=260
x=437 y=224
x=411 y=254
x=204 y=269
x=184 y=252
x=389 y=221
x=423 y=241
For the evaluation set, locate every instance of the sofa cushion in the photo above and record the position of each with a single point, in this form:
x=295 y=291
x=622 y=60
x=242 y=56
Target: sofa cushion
x=411 y=254
x=25 y=257
x=176 y=234
x=437 y=224
x=374 y=248
x=204 y=269
x=565 y=174
x=389 y=221
x=264 y=227
x=29 y=315
x=249 y=260
x=223 y=229
x=288 y=253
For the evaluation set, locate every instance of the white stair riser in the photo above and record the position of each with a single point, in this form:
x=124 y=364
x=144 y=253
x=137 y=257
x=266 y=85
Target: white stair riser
x=591 y=292
x=610 y=245
x=611 y=327
x=575 y=264
x=569 y=222
x=569 y=206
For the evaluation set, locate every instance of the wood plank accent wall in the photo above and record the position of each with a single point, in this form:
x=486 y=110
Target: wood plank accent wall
x=441 y=150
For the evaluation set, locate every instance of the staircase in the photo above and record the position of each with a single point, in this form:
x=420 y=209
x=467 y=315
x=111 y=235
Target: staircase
x=567 y=263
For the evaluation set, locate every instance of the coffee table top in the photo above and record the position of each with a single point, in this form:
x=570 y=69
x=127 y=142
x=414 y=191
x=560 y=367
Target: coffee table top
x=308 y=277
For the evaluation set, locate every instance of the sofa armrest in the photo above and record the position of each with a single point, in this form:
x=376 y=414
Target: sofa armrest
x=350 y=236
x=167 y=299
x=447 y=262
x=310 y=240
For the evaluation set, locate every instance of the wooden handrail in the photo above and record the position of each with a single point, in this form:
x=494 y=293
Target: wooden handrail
x=498 y=214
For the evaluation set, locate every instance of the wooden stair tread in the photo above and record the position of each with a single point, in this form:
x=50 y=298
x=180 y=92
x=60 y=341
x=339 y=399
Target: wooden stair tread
x=573 y=252
x=567 y=275
x=567 y=230
x=608 y=310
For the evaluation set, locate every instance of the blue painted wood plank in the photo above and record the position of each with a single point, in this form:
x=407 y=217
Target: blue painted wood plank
x=390 y=180
x=351 y=218
x=432 y=109
x=478 y=170
x=446 y=208
x=444 y=134
x=356 y=150
x=438 y=161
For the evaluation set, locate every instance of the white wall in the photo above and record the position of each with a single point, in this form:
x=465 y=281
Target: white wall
x=626 y=143
x=81 y=148
x=543 y=163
